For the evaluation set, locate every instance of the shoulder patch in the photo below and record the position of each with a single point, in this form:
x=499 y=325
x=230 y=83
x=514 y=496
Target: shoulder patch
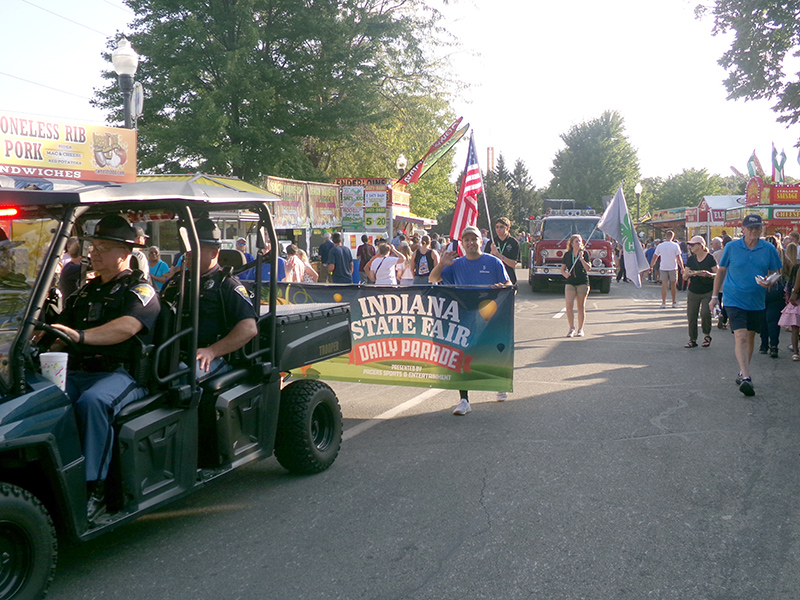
x=242 y=291
x=144 y=292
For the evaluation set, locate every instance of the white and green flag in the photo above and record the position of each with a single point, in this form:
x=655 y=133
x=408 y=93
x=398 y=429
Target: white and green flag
x=616 y=223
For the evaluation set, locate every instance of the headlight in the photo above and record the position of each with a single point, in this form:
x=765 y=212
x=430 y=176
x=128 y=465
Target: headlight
x=597 y=262
x=602 y=253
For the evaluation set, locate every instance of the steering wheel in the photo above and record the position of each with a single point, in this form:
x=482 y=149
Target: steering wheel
x=57 y=333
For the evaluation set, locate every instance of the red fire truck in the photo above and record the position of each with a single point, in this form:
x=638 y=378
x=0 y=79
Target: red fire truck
x=550 y=236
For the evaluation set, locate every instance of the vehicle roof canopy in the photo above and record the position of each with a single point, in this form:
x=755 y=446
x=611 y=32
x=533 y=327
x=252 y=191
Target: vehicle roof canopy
x=130 y=196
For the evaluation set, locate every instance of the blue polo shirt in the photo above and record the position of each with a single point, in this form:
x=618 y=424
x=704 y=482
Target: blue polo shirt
x=743 y=264
x=484 y=270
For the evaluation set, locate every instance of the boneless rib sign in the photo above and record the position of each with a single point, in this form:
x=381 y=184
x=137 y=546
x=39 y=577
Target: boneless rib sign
x=423 y=336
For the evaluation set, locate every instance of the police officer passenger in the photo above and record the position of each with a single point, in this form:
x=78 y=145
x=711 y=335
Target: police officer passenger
x=227 y=314
x=102 y=318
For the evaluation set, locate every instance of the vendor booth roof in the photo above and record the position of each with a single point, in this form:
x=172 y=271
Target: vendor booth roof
x=417 y=220
x=724 y=202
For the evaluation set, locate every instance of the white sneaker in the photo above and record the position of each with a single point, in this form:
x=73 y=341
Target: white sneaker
x=663 y=306
x=674 y=305
x=580 y=333
x=502 y=396
x=571 y=332
x=462 y=408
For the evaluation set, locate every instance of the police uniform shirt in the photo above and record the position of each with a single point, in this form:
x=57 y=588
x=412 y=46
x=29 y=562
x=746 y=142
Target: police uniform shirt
x=98 y=303
x=224 y=301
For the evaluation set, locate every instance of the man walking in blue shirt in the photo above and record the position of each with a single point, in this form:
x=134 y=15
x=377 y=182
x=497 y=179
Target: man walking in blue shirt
x=744 y=265
x=474 y=268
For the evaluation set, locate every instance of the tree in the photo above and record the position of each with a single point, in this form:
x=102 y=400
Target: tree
x=248 y=87
x=596 y=160
x=687 y=189
x=766 y=37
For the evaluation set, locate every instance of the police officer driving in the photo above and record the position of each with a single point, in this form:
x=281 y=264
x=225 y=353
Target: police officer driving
x=102 y=319
x=227 y=314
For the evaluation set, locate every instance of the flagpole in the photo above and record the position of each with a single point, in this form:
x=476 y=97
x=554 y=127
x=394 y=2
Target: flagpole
x=483 y=190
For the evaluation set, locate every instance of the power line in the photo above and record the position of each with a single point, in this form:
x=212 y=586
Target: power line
x=45 y=86
x=65 y=18
x=123 y=8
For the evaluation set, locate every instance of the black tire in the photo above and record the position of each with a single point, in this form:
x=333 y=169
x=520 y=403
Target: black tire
x=28 y=545
x=538 y=284
x=604 y=285
x=309 y=427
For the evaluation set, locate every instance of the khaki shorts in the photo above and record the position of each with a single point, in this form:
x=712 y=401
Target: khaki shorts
x=669 y=276
x=580 y=290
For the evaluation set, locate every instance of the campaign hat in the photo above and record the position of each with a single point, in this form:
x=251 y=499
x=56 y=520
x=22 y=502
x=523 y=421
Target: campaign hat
x=115 y=228
x=207 y=231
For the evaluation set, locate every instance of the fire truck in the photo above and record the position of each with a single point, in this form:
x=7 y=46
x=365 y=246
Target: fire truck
x=550 y=236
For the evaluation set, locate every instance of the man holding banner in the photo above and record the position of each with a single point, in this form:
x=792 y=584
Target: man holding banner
x=474 y=268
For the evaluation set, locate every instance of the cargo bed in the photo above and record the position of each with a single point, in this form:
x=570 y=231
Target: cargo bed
x=309 y=333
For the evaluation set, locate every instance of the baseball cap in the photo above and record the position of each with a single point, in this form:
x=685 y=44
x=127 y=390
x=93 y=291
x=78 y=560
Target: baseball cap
x=115 y=228
x=207 y=231
x=698 y=239
x=471 y=229
x=751 y=221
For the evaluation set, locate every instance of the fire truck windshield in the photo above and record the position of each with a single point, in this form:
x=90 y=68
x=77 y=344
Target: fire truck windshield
x=560 y=229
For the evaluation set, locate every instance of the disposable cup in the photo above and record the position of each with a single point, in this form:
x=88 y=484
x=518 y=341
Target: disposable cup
x=54 y=367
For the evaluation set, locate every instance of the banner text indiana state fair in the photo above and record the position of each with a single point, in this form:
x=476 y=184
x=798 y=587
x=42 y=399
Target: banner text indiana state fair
x=421 y=336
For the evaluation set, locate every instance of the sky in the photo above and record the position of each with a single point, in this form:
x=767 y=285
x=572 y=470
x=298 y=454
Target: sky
x=536 y=70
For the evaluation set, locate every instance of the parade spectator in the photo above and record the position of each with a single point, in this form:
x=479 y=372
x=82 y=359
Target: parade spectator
x=138 y=257
x=241 y=246
x=424 y=259
x=717 y=248
x=405 y=268
x=504 y=247
x=575 y=268
x=701 y=268
x=682 y=283
x=794 y=237
x=790 y=316
x=744 y=260
x=364 y=253
x=159 y=270
x=382 y=268
x=474 y=268
x=309 y=274
x=648 y=254
x=669 y=254
x=774 y=303
x=324 y=253
x=266 y=267
x=294 y=265
x=619 y=262
x=340 y=261
x=70 y=277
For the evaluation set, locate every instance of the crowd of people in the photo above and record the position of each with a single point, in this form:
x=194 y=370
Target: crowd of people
x=749 y=284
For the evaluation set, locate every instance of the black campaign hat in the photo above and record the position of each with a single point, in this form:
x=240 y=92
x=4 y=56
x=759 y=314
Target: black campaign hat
x=207 y=231
x=115 y=228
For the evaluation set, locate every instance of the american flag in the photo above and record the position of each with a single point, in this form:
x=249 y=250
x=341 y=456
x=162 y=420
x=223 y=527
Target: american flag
x=467 y=203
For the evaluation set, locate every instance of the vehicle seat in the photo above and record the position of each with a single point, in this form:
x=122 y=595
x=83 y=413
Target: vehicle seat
x=232 y=258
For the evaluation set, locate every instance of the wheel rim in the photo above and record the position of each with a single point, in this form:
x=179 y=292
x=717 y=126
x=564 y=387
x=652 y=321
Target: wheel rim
x=16 y=558
x=322 y=427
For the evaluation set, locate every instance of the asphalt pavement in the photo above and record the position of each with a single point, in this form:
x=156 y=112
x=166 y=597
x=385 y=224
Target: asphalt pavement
x=623 y=466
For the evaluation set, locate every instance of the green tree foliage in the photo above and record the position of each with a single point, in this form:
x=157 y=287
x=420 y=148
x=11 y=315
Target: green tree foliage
x=765 y=36
x=685 y=189
x=596 y=160
x=250 y=87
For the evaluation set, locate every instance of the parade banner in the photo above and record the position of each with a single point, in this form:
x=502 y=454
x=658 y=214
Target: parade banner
x=57 y=149
x=419 y=336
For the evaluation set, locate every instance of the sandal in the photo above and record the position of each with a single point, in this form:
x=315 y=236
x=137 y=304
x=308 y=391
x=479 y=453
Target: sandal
x=795 y=357
x=691 y=344
x=706 y=341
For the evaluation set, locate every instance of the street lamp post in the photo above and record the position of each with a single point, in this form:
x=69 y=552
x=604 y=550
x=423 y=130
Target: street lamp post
x=400 y=164
x=638 y=191
x=125 y=61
